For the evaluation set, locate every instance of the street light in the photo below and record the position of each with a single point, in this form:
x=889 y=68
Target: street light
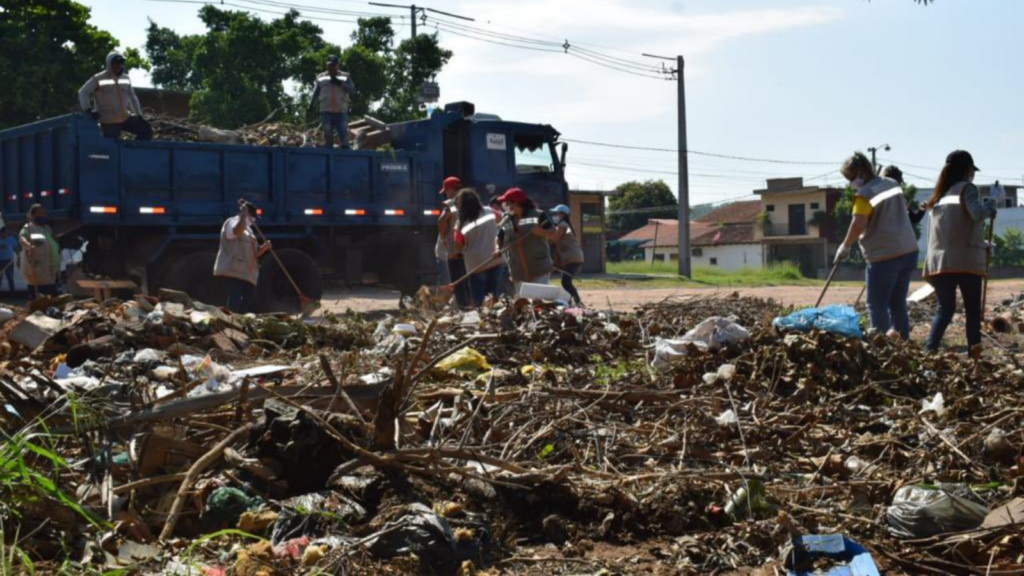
x=874 y=151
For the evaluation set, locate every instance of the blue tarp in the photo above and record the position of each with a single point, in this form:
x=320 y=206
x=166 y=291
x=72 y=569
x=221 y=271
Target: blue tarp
x=842 y=320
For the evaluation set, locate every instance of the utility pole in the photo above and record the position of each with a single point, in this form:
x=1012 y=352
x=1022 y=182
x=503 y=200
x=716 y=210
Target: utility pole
x=874 y=152
x=416 y=11
x=684 y=168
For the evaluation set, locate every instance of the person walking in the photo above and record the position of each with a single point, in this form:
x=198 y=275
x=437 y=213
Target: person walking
x=568 y=252
x=451 y=263
x=475 y=237
x=526 y=233
x=238 y=257
x=117 y=106
x=8 y=248
x=887 y=240
x=333 y=92
x=957 y=249
x=40 y=253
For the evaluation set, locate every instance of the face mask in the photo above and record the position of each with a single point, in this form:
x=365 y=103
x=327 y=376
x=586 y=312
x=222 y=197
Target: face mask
x=857 y=184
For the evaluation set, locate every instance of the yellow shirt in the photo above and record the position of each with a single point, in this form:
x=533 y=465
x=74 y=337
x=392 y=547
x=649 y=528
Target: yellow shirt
x=862 y=207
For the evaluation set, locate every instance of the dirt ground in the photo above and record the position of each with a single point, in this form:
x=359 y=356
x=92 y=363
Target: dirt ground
x=368 y=300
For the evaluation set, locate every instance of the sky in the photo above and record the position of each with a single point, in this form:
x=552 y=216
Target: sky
x=800 y=81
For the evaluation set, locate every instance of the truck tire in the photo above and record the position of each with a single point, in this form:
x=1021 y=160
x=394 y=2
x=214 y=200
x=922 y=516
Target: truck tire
x=193 y=275
x=275 y=293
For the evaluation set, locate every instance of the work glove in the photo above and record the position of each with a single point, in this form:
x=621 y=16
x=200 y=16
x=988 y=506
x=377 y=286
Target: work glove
x=990 y=206
x=842 y=255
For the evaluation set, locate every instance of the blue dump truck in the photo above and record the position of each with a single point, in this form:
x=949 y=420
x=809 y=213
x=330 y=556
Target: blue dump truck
x=152 y=211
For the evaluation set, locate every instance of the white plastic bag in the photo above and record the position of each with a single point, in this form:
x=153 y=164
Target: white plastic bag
x=919 y=512
x=711 y=334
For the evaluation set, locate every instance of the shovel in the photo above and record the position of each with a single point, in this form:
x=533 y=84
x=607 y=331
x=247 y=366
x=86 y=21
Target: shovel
x=306 y=303
x=827 y=283
x=988 y=267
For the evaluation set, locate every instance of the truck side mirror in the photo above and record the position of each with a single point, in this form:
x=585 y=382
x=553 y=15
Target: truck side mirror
x=565 y=148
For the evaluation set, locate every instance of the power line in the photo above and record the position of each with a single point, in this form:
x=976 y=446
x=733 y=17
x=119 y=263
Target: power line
x=464 y=35
x=699 y=153
x=221 y=3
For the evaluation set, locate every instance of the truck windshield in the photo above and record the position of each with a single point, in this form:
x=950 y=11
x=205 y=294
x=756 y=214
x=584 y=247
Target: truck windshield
x=533 y=154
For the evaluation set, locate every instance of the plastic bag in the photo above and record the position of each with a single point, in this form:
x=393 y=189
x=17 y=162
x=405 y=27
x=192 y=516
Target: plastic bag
x=465 y=360
x=417 y=530
x=709 y=335
x=841 y=320
x=920 y=512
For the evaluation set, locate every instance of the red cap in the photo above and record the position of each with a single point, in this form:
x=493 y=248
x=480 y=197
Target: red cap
x=514 y=195
x=449 y=183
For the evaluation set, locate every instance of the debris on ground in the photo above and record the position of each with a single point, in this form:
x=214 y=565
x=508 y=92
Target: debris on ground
x=162 y=435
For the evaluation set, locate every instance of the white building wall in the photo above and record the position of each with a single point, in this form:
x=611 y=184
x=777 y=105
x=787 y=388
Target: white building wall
x=730 y=257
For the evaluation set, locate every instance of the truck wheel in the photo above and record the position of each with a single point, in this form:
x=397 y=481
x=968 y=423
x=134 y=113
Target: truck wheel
x=193 y=275
x=275 y=293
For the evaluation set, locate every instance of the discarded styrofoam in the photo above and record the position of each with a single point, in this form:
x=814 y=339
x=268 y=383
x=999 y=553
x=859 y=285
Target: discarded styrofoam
x=543 y=292
x=35 y=330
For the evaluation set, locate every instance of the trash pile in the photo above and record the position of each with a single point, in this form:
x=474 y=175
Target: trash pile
x=365 y=133
x=692 y=436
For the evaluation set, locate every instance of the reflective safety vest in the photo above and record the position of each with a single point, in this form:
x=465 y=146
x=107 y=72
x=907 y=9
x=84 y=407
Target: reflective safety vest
x=889 y=233
x=334 y=96
x=529 y=258
x=114 y=95
x=956 y=242
x=236 y=257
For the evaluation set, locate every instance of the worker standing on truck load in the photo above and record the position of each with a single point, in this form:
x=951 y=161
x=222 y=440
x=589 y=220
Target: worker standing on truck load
x=887 y=240
x=957 y=248
x=476 y=236
x=333 y=91
x=8 y=247
x=117 y=106
x=568 y=253
x=445 y=249
x=526 y=234
x=238 y=258
x=40 y=254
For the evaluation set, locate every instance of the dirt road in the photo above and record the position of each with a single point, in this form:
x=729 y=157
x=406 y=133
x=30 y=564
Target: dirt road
x=367 y=300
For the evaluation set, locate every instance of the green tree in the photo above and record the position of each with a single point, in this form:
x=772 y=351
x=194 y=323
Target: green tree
x=638 y=202
x=237 y=70
x=415 y=61
x=48 y=50
x=1009 y=248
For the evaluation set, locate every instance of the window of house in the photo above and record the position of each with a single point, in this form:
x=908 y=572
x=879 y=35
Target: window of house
x=814 y=205
x=698 y=252
x=769 y=208
x=714 y=261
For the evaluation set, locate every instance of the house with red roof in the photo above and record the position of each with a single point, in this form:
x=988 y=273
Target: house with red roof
x=790 y=222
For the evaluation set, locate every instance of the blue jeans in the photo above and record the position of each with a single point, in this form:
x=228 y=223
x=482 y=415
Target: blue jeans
x=888 y=283
x=335 y=122
x=483 y=284
x=241 y=295
x=945 y=292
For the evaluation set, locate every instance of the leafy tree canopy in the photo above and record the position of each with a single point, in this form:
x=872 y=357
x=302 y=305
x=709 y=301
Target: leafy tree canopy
x=48 y=50
x=639 y=202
